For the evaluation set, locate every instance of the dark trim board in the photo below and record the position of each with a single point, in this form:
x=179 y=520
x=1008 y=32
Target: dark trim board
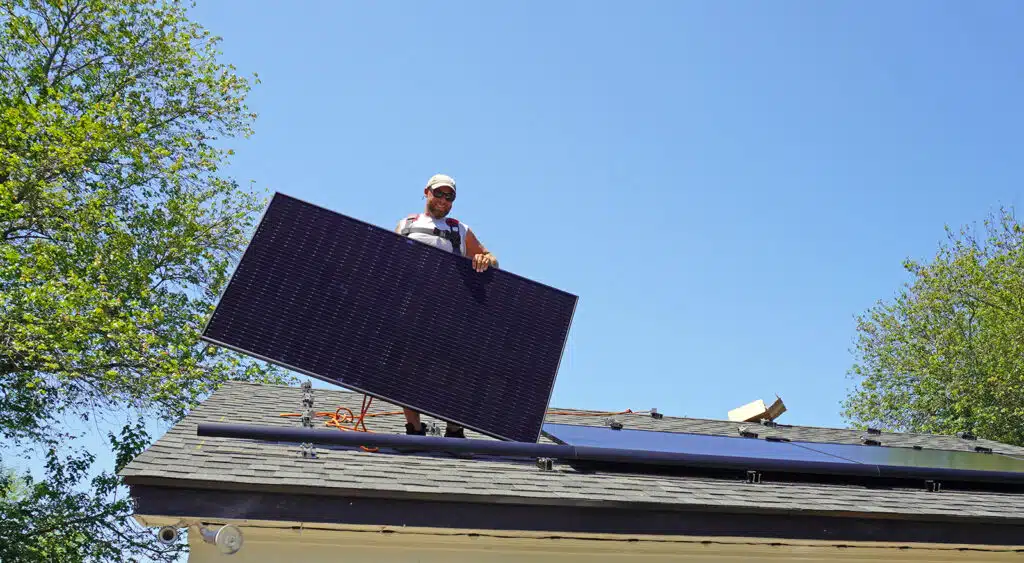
x=215 y=504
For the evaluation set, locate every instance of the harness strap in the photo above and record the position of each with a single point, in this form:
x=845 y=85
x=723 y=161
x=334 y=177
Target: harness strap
x=453 y=235
x=407 y=226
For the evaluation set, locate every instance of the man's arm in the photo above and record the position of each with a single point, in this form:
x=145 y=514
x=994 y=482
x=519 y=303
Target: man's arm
x=482 y=258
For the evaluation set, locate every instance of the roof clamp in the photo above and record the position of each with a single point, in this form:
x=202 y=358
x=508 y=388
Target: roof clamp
x=433 y=428
x=746 y=432
x=874 y=432
x=870 y=441
x=656 y=414
x=982 y=450
x=615 y=424
x=545 y=463
x=775 y=438
x=307 y=418
x=966 y=436
x=769 y=423
x=754 y=477
x=307 y=394
x=307 y=450
x=933 y=486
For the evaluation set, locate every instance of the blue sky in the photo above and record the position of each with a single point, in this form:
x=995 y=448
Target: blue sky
x=724 y=185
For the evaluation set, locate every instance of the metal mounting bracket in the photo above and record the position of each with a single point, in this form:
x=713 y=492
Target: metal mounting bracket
x=746 y=432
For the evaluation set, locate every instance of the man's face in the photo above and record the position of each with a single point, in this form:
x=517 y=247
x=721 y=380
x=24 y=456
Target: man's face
x=439 y=201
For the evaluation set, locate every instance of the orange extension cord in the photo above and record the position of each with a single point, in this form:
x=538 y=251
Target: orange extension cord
x=349 y=422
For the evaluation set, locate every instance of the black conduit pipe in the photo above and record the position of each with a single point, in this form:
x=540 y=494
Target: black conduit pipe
x=383 y=440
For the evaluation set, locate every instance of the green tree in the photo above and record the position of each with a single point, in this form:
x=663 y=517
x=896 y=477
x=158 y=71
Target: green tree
x=57 y=519
x=118 y=228
x=947 y=354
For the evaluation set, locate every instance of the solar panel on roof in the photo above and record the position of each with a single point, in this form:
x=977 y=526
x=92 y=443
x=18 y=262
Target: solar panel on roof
x=355 y=304
x=677 y=448
x=902 y=461
x=727 y=452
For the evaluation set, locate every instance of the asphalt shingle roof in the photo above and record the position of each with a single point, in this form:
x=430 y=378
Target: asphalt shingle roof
x=182 y=455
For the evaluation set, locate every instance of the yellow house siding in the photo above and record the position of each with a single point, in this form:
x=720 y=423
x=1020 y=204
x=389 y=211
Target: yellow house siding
x=265 y=545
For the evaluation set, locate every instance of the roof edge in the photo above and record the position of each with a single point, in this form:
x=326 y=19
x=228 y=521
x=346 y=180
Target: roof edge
x=213 y=504
x=200 y=486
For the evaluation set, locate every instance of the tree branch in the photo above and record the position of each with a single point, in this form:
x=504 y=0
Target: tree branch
x=52 y=55
x=67 y=28
x=9 y=238
x=976 y=298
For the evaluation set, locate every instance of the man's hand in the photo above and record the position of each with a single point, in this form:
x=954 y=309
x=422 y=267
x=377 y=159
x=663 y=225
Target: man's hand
x=483 y=261
x=482 y=258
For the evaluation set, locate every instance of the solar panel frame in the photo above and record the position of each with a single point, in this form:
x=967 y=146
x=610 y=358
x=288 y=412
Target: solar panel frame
x=279 y=196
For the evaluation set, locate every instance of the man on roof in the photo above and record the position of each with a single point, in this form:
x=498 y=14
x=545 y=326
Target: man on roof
x=434 y=227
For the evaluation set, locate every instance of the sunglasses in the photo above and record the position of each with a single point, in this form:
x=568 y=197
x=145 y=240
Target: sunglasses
x=438 y=193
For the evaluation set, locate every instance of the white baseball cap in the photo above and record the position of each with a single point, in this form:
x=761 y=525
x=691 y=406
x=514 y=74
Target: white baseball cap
x=438 y=180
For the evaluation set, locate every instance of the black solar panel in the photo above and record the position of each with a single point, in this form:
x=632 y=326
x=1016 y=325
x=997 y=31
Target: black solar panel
x=899 y=461
x=352 y=303
x=700 y=450
x=754 y=454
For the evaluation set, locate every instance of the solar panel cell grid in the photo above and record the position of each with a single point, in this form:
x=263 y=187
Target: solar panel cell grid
x=356 y=304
